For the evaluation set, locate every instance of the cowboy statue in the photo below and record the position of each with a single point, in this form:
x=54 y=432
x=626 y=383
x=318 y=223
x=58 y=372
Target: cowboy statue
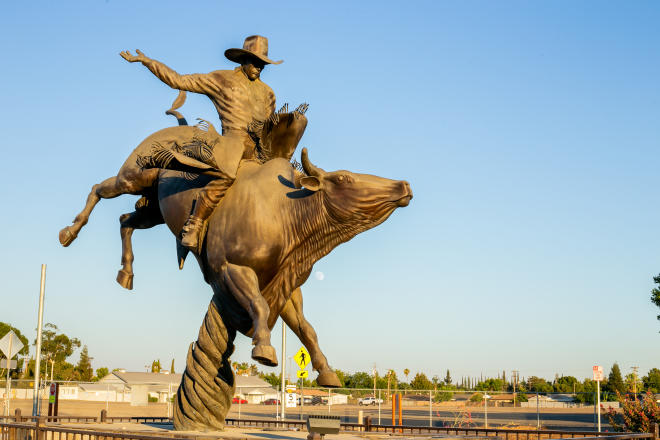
x=246 y=108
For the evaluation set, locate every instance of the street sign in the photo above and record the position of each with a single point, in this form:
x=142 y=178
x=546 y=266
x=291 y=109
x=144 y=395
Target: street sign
x=302 y=358
x=10 y=342
x=290 y=401
x=302 y=374
x=12 y=364
x=598 y=373
x=52 y=392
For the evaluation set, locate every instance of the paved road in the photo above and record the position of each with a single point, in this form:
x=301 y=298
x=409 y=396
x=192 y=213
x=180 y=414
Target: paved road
x=574 y=419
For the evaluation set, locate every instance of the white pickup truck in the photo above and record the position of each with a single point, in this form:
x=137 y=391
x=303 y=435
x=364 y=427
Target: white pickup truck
x=369 y=401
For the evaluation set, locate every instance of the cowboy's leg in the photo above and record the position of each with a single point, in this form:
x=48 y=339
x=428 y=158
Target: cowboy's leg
x=207 y=199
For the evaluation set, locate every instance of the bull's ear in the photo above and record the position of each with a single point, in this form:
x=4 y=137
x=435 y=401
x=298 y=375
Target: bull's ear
x=312 y=183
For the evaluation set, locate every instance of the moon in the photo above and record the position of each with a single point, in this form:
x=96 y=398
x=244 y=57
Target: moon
x=319 y=275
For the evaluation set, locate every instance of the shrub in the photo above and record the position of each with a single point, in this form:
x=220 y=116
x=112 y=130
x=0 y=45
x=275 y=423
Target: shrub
x=477 y=397
x=637 y=415
x=443 y=396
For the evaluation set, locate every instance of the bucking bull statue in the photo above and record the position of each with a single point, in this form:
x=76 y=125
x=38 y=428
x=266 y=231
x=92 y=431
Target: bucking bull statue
x=274 y=222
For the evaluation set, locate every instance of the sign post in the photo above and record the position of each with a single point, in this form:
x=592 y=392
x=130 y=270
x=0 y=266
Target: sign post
x=53 y=399
x=10 y=345
x=302 y=358
x=598 y=376
x=290 y=399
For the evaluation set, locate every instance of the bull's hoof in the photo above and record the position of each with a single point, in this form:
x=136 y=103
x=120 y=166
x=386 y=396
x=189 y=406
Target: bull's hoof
x=66 y=236
x=265 y=354
x=125 y=279
x=328 y=379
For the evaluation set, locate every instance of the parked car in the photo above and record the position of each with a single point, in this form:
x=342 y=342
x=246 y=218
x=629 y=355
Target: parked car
x=237 y=400
x=369 y=401
x=307 y=400
x=271 y=402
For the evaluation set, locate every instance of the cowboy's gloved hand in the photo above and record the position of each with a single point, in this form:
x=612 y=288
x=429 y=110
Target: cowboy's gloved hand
x=133 y=58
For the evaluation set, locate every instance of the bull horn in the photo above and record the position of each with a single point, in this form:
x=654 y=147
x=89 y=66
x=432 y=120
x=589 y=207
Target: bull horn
x=309 y=168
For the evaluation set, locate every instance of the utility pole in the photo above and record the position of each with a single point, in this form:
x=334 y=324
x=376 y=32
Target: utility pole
x=514 y=379
x=37 y=355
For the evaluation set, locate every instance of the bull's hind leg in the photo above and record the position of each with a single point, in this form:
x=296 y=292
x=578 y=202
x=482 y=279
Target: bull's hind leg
x=128 y=181
x=141 y=218
x=242 y=283
x=69 y=233
x=292 y=314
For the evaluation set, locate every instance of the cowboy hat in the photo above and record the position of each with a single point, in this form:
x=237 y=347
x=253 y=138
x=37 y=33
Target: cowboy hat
x=254 y=46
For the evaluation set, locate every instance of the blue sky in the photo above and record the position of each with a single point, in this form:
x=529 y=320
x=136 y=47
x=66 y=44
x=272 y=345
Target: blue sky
x=528 y=132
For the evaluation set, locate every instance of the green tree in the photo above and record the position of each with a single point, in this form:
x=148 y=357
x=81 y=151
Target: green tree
x=655 y=293
x=101 y=372
x=567 y=384
x=615 y=381
x=490 y=385
x=56 y=348
x=84 y=367
x=652 y=380
x=172 y=367
x=406 y=372
x=448 y=378
x=421 y=382
x=155 y=366
x=359 y=379
x=272 y=378
x=539 y=385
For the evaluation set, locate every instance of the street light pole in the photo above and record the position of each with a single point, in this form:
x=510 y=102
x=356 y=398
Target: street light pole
x=37 y=355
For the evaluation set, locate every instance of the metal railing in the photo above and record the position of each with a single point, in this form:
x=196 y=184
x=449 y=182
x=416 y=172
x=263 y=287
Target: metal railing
x=38 y=430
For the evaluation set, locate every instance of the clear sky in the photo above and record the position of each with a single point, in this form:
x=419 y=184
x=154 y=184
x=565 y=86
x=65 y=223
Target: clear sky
x=529 y=131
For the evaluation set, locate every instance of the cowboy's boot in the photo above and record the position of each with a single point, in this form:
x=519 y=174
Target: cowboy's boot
x=191 y=231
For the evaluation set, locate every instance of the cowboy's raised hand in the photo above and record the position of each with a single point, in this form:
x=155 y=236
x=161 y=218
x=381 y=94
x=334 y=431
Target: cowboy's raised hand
x=132 y=58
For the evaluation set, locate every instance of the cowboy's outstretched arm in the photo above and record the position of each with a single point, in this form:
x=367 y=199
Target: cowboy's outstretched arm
x=192 y=83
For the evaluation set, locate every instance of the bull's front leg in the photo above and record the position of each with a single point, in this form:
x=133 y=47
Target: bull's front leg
x=242 y=283
x=292 y=314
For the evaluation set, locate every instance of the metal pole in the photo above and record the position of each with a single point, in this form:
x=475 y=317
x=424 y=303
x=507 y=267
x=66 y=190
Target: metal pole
x=430 y=409
x=379 y=400
x=37 y=356
x=538 y=415
x=283 y=369
x=302 y=397
x=598 y=402
x=8 y=384
x=485 y=411
x=107 y=398
x=329 y=400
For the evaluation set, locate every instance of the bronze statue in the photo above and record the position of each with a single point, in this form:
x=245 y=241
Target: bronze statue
x=241 y=99
x=266 y=225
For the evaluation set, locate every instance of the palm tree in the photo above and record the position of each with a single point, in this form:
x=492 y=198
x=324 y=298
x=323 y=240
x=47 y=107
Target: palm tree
x=390 y=375
x=406 y=372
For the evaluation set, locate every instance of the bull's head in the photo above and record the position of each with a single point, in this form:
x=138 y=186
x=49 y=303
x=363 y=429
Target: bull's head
x=360 y=199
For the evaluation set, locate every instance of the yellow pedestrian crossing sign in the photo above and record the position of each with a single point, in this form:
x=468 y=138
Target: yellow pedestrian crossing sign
x=302 y=374
x=302 y=358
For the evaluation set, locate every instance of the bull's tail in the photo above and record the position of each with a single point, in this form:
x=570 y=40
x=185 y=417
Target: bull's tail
x=178 y=102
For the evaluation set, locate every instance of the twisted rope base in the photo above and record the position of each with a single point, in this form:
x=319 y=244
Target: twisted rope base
x=207 y=385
